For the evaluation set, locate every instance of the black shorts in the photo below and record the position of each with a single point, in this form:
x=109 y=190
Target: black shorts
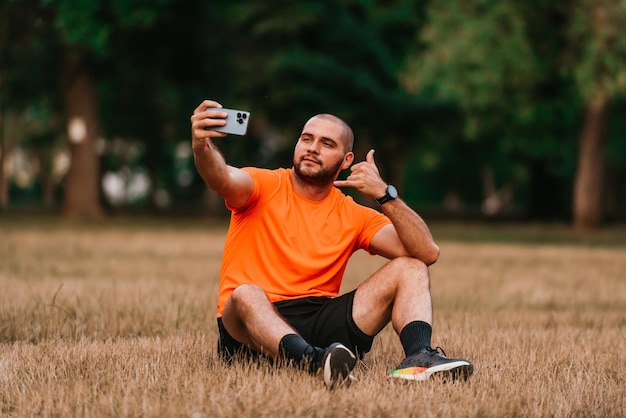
x=321 y=321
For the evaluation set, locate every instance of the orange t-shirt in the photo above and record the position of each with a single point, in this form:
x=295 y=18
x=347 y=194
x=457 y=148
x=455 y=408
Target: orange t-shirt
x=291 y=246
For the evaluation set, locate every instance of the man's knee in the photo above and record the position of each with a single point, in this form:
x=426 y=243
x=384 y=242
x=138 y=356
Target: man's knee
x=248 y=292
x=412 y=269
x=247 y=295
x=409 y=264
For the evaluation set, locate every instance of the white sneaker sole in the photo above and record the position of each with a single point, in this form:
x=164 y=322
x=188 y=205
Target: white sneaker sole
x=453 y=370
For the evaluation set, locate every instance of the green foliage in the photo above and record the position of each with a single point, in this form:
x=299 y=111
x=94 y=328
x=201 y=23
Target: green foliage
x=77 y=23
x=339 y=56
x=477 y=54
x=521 y=72
x=138 y=13
x=29 y=94
x=90 y=23
x=598 y=48
x=27 y=56
x=512 y=58
x=446 y=91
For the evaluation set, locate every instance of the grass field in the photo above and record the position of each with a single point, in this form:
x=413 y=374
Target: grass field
x=118 y=319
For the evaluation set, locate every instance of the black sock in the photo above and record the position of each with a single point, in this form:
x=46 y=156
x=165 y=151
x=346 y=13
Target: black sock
x=415 y=336
x=294 y=347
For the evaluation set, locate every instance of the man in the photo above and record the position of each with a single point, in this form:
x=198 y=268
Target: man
x=291 y=234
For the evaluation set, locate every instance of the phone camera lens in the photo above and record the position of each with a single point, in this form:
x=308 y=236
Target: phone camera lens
x=239 y=115
x=244 y=116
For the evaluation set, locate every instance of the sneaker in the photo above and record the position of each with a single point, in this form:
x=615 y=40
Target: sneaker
x=337 y=363
x=432 y=362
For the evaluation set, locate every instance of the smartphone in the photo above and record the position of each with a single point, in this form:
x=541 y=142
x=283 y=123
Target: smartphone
x=236 y=122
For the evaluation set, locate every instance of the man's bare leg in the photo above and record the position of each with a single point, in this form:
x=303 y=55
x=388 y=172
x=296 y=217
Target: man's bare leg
x=251 y=319
x=399 y=292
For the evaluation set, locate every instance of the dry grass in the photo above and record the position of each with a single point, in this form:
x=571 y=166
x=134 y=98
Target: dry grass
x=119 y=321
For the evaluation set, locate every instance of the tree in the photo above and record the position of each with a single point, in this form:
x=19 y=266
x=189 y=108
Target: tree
x=506 y=64
x=84 y=28
x=599 y=50
x=158 y=76
x=82 y=183
x=477 y=56
x=28 y=93
x=300 y=58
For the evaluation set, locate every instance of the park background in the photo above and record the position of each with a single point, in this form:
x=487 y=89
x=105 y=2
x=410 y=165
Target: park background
x=476 y=109
x=502 y=123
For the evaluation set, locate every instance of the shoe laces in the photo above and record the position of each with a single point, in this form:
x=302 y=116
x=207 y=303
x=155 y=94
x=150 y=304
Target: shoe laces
x=436 y=350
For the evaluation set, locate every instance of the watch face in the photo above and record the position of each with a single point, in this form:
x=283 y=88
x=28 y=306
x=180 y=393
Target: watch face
x=393 y=193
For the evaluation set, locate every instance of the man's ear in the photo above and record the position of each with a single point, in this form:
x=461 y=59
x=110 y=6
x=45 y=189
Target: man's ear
x=347 y=160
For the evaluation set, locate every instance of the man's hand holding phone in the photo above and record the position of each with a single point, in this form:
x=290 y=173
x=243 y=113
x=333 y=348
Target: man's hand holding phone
x=211 y=120
x=205 y=118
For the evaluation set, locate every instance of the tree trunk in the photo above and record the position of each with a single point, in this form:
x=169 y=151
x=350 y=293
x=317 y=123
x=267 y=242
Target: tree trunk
x=4 y=184
x=588 y=186
x=4 y=87
x=82 y=195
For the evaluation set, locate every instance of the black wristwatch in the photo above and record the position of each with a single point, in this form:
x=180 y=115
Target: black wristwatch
x=391 y=194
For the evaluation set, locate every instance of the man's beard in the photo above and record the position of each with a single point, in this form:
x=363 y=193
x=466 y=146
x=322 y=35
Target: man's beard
x=320 y=178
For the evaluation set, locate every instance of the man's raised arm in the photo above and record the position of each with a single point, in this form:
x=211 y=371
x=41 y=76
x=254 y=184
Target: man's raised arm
x=233 y=184
x=408 y=235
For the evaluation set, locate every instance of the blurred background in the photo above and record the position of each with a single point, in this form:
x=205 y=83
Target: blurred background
x=477 y=109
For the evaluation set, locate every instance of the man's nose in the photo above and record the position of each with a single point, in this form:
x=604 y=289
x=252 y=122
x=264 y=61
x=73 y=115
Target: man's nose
x=313 y=147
